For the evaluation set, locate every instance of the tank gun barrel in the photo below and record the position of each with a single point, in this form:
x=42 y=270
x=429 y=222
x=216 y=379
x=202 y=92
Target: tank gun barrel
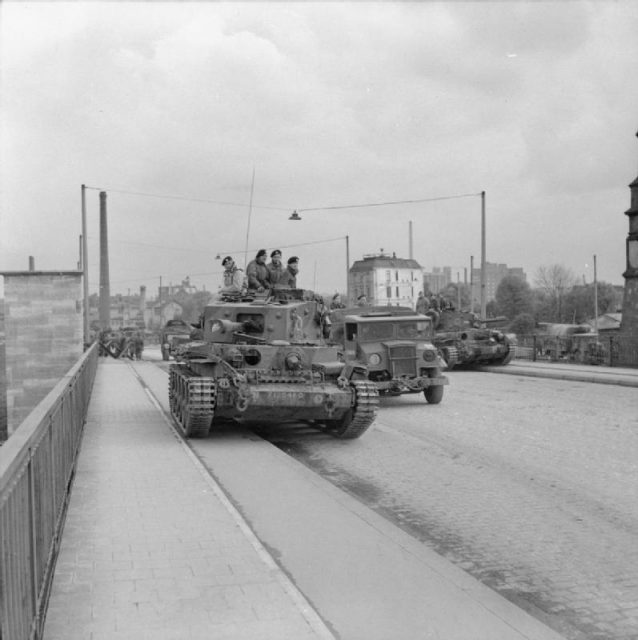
x=226 y=326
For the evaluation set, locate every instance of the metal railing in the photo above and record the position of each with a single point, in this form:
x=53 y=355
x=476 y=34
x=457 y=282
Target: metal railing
x=610 y=351
x=37 y=464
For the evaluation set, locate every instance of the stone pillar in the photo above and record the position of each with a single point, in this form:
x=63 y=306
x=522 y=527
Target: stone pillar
x=44 y=335
x=629 y=323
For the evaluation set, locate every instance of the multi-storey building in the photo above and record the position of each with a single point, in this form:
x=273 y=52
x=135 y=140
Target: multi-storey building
x=385 y=280
x=436 y=280
x=494 y=273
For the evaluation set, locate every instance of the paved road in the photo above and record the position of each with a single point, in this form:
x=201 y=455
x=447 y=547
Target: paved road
x=529 y=484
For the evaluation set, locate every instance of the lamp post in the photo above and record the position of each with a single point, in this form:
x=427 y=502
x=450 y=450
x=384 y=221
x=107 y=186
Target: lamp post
x=483 y=263
x=85 y=269
x=295 y=216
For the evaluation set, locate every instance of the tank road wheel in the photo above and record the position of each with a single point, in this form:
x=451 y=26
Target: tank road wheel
x=192 y=401
x=508 y=357
x=356 y=421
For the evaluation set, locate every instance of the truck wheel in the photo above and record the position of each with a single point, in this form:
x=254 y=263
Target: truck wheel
x=433 y=395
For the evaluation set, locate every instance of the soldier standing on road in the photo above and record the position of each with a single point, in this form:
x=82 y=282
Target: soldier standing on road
x=257 y=272
x=275 y=267
x=233 y=276
x=289 y=276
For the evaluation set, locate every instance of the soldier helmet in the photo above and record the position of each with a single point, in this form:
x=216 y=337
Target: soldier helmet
x=261 y=252
x=227 y=260
x=293 y=260
x=276 y=252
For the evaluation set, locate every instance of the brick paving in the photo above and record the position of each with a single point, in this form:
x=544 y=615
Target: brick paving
x=527 y=484
x=152 y=548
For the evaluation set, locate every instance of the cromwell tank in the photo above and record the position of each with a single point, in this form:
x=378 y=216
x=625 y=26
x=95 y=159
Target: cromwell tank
x=466 y=341
x=264 y=360
x=396 y=345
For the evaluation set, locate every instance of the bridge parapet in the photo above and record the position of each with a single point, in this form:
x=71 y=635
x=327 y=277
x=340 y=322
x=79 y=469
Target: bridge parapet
x=36 y=470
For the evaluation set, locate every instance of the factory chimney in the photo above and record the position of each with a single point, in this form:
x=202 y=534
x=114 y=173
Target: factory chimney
x=105 y=286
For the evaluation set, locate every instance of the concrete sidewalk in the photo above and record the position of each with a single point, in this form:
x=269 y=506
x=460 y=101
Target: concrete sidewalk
x=623 y=376
x=152 y=548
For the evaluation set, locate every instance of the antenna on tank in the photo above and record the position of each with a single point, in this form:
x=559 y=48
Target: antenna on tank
x=250 y=210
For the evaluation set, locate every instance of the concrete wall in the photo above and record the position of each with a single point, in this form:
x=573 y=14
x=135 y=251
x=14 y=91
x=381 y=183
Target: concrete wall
x=4 y=421
x=43 y=335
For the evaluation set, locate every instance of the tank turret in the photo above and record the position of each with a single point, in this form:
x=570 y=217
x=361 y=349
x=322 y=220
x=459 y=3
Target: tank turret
x=263 y=359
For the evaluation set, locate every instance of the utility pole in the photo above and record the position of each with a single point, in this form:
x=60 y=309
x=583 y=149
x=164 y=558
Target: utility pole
x=85 y=269
x=105 y=285
x=347 y=271
x=595 y=298
x=483 y=274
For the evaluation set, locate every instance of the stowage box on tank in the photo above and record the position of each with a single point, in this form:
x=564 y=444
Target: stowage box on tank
x=264 y=360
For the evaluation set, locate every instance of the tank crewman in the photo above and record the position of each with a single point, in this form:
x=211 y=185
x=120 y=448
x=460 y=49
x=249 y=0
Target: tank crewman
x=275 y=267
x=257 y=272
x=233 y=276
x=422 y=303
x=362 y=301
x=289 y=275
x=336 y=302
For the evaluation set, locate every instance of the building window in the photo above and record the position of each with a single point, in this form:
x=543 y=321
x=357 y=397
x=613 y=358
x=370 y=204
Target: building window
x=387 y=276
x=396 y=276
x=388 y=292
x=397 y=290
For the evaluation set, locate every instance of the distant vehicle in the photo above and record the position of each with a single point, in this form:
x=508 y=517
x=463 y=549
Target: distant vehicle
x=396 y=345
x=174 y=333
x=466 y=341
x=263 y=359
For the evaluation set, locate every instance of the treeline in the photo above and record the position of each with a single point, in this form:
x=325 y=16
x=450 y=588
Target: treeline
x=556 y=296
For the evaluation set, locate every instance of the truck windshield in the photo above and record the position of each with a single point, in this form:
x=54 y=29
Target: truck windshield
x=413 y=330
x=376 y=331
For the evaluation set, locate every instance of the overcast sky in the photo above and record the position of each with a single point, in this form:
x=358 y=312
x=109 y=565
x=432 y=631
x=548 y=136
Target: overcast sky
x=329 y=104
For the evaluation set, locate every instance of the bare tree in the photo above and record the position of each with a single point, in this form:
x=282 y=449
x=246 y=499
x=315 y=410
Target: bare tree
x=555 y=281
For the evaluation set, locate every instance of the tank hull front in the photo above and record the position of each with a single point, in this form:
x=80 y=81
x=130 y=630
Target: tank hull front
x=276 y=402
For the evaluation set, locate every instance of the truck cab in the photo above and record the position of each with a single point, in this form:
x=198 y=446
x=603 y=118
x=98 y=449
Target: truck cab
x=396 y=345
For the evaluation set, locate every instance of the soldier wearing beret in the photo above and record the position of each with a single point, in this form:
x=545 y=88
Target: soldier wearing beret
x=257 y=272
x=233 y=276
x=289 y=276
x=275 y=267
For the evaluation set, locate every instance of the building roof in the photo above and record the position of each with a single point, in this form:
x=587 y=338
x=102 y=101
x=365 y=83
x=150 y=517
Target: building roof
x=384 y=262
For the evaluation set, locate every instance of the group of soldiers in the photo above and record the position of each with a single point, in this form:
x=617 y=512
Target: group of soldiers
x=121 y=344
x=260 y=275
x=435 y=303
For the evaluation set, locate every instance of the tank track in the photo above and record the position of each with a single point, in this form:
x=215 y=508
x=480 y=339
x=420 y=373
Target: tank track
x=362 y=415
x=192 y=401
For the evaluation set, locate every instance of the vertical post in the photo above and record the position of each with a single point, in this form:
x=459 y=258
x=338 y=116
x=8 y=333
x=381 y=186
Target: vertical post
x=85 y=268
x=250 y=210
x=105 y=285
x=347 y=271
x=595 y=298
x=410 y=241
x=483 y=274
x=472 y=284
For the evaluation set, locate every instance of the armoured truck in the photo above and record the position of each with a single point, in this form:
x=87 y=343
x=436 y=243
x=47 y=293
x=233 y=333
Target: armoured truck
x=466 y=341
x=264 y=360
x=396 y=345
x=174 y=333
